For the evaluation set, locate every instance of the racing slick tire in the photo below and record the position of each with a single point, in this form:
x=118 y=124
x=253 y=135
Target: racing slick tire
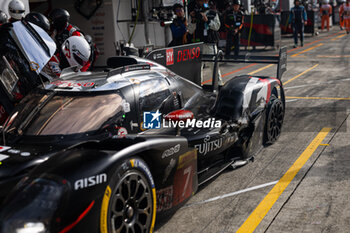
x=129 y=202
x=274 y=120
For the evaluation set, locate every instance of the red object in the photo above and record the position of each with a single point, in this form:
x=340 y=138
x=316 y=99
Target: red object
x=81 y=216
x=179 y=115
x=169 y=57
x=183 y=178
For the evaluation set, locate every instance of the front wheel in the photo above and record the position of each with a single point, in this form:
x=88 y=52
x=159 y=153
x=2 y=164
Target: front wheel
x=132 y=203
x=274 y=120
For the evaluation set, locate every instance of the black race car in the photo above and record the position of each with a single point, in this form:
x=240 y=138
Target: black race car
x=108 y=151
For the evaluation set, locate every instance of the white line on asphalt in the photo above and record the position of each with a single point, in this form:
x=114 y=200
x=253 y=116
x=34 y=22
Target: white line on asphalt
x=233 y=194
x=292 y=100
x=315 y=84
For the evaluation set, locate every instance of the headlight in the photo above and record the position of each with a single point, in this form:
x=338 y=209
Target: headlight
x=32 y=206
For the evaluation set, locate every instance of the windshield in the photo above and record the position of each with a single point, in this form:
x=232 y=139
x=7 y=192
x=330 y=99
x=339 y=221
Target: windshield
x=63 y=115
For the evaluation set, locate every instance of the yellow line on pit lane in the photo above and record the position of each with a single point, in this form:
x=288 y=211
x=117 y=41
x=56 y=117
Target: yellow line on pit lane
x=261 y=69
x=339 y=37
x=266 y=204
x=306 y=50
x=317 y=98
x=304 y=72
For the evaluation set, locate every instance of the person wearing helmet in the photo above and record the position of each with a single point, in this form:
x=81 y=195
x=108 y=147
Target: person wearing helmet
x=298 y=19
x=233 y=19
x=16 y=10
x=3 y=18
x=59 y=19
x=345 y=12
x=39 y=20
x=75 y=51
x=326 y=12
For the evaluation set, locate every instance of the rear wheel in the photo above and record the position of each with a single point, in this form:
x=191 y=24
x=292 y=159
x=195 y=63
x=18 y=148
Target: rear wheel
x=132 y=204
x=274 y=120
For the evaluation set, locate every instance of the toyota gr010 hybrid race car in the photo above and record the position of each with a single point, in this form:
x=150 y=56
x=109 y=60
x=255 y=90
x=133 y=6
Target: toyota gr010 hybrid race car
x=107 y=151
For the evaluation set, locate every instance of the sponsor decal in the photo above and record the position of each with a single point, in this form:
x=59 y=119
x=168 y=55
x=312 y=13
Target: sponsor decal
x=98 y=28
x=169 y=57
x=90 y=181
x=151 y=120
x=208 y=146
x=183 y=178
x=4 y=148
x=142 y=166
x=168 y=169
x=122 y=132
x=164 y=199
x=3 y=157
x=25 y=154
x=157 y=56
x=34 y=66
x=230 y=139
x=188 y=54
x=72 y=84
x=97 y=22
x=104 y=210
x=171 y=151
x=13 y=151
x=126 y=106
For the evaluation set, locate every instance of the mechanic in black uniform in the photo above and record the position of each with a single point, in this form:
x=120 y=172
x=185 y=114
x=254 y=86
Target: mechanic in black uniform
x=203 y=26
x=233 y=19
x=178 y=26
x=298 y=19
x=61 y=27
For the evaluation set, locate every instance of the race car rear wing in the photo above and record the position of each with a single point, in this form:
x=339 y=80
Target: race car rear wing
x=186 y=60
x=280 y=60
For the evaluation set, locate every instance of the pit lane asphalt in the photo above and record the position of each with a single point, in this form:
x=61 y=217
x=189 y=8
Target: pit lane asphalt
x=317 y=198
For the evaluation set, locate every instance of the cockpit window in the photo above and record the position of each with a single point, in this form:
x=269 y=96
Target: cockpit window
x=63 y=115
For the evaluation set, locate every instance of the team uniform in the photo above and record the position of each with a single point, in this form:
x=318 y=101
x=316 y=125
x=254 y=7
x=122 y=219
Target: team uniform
x=326 y=11
x=233 y=24
x=58 y=62
x=345 y=13
x=68 y=31
x=298 y=17
x=178 y=30
x=75 y=51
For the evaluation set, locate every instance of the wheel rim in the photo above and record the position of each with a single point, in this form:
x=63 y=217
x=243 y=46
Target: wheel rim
x=131 y=210
x=275 y=122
